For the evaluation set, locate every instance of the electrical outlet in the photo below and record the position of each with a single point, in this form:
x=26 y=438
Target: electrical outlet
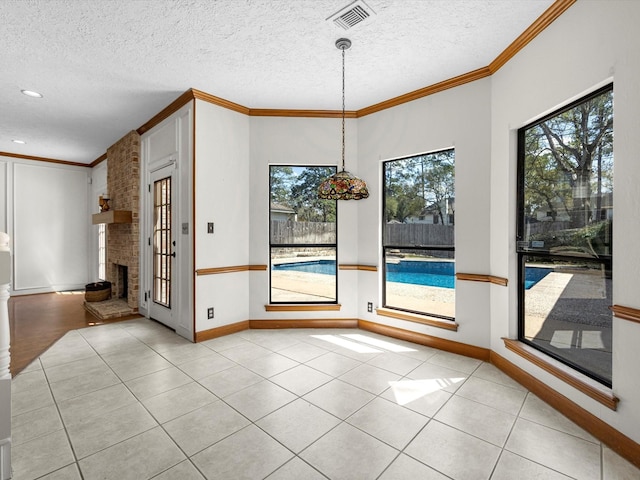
x=210 y=227
x=369 y=307
x=210 y=312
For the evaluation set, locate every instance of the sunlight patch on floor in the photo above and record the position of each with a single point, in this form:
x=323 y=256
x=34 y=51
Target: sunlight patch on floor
x=392 y=347
x=407 y=391
x=343 y=342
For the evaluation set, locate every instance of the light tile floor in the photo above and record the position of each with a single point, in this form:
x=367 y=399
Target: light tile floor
x=132 y=400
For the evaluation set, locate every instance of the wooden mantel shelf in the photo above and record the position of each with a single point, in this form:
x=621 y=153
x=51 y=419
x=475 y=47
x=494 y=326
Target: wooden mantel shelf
x=111 y=216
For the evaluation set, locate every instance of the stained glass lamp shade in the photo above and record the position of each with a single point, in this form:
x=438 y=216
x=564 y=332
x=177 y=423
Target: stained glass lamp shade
x=343 y=185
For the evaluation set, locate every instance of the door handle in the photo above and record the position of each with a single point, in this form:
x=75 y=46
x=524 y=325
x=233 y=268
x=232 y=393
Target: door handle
x=173 y=254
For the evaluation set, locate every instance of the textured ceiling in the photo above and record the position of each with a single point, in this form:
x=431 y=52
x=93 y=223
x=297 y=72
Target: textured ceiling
x=105 y=67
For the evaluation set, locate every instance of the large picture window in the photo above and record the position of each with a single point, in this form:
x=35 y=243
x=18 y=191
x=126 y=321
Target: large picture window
x=418 y=234
x=564 y=234
x=302 y=233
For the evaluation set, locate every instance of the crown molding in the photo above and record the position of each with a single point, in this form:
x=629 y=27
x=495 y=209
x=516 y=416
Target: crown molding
x=265 y=112
x=173 y=107
x=542 y=22
x=98 y=160
x=423 y=92
x=200 y=95
x=43 y=159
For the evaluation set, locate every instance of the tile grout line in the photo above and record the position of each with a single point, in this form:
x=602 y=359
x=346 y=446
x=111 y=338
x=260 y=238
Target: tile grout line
x=160 y=425
x=121 y=381
x=341 y=422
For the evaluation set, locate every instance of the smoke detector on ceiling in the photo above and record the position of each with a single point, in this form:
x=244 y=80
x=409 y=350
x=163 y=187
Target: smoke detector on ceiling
x=353 y=14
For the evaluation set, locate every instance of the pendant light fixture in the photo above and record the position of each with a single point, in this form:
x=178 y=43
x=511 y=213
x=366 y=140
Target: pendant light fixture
x=343 y=185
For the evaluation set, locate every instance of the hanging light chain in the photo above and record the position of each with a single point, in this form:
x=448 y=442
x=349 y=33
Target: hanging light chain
x=343 y=185
x=343 y=108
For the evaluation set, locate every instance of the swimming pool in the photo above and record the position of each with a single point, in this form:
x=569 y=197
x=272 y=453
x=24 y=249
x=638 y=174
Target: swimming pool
x=432 y=274
x=533 y=275
x=326 y=267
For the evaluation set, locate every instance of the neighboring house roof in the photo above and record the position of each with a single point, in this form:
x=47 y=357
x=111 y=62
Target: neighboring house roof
x=434 y=206
x=276 y=207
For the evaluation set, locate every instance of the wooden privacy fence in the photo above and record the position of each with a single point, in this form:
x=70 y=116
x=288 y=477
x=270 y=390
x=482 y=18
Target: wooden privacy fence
x=285 y=232
x=401 y=234
x=544 y=227
x=409 y=234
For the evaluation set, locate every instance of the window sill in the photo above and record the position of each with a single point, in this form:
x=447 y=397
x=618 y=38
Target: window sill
x=329 y=307
x=413 y=317
x=580 y=382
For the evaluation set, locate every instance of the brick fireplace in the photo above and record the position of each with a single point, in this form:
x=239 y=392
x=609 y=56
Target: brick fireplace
x=122 y=239
x=123 y=184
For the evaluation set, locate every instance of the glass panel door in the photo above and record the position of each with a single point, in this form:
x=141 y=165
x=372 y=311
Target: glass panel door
x=162 y=242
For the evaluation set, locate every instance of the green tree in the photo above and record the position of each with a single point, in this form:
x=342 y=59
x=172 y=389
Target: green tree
x=576 y=139
x=545 y=185
x=304 y=196
x=403 y=197
x=413 y=184
x=437 y=179
x=280 y=181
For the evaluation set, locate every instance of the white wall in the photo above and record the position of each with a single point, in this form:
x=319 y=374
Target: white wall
x=45 y=211
x=300 y=141
x=4 y=197
x=459 y=118
x=591 y=44
x=222 y=195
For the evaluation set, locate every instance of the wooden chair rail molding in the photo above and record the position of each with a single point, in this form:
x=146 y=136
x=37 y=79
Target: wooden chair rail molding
x=413 y=317
x=626 y=313
x=599 y=394
x=349 y=266
x=231 y=269
x=475 y=277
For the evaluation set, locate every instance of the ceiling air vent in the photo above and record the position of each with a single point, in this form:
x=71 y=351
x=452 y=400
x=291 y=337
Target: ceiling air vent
x=352 y=15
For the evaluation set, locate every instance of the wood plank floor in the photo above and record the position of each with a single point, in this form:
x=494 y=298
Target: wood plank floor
x=37 y=321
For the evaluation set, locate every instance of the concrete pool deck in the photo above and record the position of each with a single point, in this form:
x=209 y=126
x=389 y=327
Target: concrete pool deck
x=567 y=313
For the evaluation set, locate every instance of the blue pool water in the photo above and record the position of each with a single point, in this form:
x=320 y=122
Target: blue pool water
x=433 y=274
x=327 y=267
x=533 y=275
